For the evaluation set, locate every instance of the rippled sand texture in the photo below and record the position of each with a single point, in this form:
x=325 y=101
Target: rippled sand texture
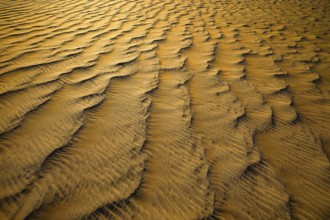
x=164 y=109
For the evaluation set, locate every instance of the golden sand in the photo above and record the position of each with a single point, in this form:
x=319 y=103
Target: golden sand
x=165 y=109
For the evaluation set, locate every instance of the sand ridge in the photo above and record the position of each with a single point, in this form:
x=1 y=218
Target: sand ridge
x=164 y=109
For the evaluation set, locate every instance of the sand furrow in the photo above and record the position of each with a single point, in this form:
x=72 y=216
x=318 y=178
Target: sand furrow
x=170 y=156
x=114 y=144
x=286 y=102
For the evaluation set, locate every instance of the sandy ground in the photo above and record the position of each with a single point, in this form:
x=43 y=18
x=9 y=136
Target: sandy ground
x=165 y=109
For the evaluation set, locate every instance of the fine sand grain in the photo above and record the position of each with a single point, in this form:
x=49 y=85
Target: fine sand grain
x=165 y=109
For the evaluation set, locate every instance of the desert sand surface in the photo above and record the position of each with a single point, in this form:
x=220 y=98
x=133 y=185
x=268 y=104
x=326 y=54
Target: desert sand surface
x=165 y=109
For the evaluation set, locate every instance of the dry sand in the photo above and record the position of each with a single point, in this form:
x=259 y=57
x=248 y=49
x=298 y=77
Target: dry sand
x=164 y=109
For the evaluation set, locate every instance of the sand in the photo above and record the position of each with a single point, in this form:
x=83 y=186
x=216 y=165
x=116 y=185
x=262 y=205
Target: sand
x=165 y=109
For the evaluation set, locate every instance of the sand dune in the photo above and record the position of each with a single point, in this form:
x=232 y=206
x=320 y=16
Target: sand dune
x=164 y=109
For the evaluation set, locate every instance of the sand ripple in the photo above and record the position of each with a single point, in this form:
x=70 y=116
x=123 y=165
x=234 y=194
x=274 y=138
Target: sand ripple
x=163 y=109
